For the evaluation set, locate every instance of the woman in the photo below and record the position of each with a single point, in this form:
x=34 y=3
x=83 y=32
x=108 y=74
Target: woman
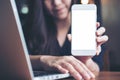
x=49 y=43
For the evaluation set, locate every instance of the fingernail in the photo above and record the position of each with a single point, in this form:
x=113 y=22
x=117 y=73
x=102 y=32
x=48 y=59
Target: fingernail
x=92 y=75
x=87 y=76
x=106 y=37
x=79 y=76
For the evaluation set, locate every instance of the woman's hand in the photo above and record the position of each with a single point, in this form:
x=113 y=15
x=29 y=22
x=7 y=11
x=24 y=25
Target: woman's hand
x=100 y=39
x=67 y=64
x=87 y=60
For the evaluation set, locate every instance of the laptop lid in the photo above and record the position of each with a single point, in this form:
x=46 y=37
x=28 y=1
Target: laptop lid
x=14 y=59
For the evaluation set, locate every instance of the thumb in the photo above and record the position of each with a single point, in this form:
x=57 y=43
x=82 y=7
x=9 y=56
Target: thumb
x=69 y=36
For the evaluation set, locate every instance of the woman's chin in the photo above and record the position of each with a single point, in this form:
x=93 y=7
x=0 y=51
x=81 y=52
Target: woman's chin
x=61 y=17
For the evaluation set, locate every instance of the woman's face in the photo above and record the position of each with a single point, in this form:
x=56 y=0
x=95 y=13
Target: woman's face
x=59 y=9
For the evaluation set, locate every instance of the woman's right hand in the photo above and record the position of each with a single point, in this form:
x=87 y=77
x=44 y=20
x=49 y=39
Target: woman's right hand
x=67 y=64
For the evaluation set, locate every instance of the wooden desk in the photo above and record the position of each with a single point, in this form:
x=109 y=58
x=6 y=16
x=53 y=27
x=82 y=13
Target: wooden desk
x=109 y=76
x=105 y=76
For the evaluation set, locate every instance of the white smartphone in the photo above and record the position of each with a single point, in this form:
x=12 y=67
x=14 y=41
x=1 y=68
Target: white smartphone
x=83 y=28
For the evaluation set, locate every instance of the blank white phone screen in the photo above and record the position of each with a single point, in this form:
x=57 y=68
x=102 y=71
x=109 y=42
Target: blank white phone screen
x=83 y=29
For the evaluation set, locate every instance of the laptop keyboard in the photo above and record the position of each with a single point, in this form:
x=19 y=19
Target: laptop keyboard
x=49 y=75
x=41 y=73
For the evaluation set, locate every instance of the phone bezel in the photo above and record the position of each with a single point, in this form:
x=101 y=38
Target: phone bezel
x=83 y=52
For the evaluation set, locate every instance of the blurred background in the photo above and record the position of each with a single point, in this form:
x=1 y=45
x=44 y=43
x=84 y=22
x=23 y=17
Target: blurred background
x=111 y=20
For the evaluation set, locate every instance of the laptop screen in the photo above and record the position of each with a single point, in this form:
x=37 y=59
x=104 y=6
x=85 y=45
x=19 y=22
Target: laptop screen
x=14 y=57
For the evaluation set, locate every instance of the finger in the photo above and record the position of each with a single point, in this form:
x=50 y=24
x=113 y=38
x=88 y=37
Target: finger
x=77 y=64
x=69 y=36
x=100 y=31
x=86 y=69
x=80 y=69
x=98 y=24
x=60 y=68
x=72 y=71
x=57 y=68
x=98 y=50
x=101 y=39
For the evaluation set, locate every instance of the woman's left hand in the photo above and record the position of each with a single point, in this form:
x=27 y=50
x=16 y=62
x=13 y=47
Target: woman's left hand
x=100 y=39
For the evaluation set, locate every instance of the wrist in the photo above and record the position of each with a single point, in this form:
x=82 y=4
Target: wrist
x=84 y=59
x=43 y=60
x=36 y=63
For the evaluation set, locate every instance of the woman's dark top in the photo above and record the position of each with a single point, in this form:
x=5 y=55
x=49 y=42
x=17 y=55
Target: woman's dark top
x=26 y=20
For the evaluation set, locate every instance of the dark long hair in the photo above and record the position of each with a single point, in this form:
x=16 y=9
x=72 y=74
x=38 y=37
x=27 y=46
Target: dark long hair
x=40 y=34
x=40 y=31
x=37 y=37
x=51 y=32
x=33 y=25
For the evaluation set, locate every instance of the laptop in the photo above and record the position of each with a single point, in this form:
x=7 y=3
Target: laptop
x=14 y=57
